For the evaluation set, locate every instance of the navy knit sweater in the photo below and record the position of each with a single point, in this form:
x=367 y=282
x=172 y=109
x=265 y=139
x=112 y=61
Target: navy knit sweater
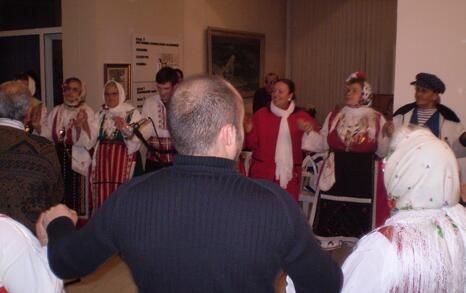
x=198 y=226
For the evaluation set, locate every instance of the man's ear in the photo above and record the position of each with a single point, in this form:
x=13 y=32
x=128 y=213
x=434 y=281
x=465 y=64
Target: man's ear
x=227 y=135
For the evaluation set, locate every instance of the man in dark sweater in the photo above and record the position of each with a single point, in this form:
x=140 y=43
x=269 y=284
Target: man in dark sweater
x=197 y=226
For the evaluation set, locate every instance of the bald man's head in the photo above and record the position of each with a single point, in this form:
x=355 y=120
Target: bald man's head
x=198 y=110
x=15 y=99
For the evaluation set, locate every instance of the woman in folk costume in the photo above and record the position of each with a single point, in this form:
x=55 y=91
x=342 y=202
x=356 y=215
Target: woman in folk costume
x=116 y=158
x=74 y=132
x=422 y=246
x=344 y=207
x=274 y=135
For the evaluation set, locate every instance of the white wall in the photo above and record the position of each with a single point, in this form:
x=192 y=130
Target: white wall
x=98 y=32
x=432 y=38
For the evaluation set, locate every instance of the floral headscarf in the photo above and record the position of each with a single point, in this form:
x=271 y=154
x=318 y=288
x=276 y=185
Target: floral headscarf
x=366 y=94
x=421 y=172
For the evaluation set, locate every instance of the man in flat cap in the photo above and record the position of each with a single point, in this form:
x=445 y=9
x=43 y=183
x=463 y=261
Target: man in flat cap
x=429 y=112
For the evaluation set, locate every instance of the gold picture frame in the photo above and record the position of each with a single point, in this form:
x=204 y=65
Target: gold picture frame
x=120 y=73
x=238 y=57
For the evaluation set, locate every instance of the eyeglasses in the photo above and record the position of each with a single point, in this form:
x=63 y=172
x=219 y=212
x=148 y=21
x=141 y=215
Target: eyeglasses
x=111 y=94
x=71 y=89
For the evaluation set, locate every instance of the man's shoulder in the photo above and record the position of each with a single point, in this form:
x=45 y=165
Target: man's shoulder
x=152 y=99
x=40 y=140
x=405 y=109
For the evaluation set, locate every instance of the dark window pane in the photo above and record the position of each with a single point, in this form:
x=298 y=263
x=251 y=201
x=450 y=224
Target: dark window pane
x=27 y=14
x=20 y=54
x=57 y=72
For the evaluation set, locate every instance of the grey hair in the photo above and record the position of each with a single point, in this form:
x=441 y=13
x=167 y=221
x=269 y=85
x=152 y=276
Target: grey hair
x=198 y=110
x=15 y=100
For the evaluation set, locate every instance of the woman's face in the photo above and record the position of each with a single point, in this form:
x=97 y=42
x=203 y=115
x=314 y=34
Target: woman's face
x=71 y=92
x=353 y=94
x=112 y=97
x=281 y=95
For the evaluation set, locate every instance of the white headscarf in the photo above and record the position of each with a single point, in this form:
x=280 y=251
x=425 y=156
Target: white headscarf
x=122 y=105
x=422 y=172
x=284 y=148
x=32 y=85
x=429 y=226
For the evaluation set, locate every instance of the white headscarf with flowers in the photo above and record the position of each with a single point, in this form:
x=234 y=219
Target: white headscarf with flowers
x=421 y=172
x=366 y=94
x=428 y=229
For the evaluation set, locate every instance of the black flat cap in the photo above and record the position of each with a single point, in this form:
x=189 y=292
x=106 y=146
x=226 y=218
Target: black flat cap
x=429 y=81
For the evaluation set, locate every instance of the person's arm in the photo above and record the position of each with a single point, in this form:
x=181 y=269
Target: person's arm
x=251 y=140
x=383 y=140
x=73 y=254
x=458 y=136
x=133 y=144
x=310 y=268
x=371 y=266
x=315 y=140
x=23 y=265
x=85 y=134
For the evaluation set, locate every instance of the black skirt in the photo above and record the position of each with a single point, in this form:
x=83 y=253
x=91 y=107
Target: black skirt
x=346 y=210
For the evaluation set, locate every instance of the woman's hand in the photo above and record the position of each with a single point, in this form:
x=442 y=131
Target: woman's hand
x=247 y=123
x=81 y=122
x=305 y=126
x=388 y=129
x=120 y=123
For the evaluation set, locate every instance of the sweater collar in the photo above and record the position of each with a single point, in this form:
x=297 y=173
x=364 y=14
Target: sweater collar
x=205 y=163
x=11 y=123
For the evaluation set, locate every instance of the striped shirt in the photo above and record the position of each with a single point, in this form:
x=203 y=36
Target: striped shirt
x=424 y=114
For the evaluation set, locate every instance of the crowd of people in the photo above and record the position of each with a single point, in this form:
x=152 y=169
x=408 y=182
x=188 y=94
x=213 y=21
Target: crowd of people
x=193 y=223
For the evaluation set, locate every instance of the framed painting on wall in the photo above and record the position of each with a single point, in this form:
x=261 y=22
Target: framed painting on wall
x=238 y=57
x=120 y=73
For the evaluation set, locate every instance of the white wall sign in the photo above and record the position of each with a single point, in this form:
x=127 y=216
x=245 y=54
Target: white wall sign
x=150 y=54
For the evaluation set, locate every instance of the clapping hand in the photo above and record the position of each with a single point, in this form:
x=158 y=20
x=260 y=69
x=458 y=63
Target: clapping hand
x=81 y=118
x=120 y=123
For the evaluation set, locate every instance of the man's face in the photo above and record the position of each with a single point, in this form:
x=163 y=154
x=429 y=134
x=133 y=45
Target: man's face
x=425 y=98
x=269 y=82
x=165 y=91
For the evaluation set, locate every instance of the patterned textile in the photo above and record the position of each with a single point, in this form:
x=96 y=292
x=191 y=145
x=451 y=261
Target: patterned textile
x=65 y=136
x=113 y=167
x=112 y=164
x=345 y=208
x=421 y=247
x=166 y=150
x=30 y=179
